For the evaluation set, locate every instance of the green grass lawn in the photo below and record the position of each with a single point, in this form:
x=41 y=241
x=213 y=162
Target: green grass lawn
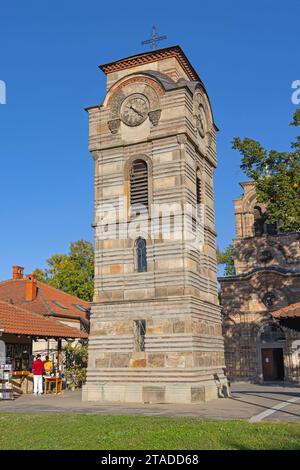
x=24 y=431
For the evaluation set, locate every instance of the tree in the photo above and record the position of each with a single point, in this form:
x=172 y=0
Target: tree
x=76 y=358
x=226 y=258
x=277 y=178
x=73 y=272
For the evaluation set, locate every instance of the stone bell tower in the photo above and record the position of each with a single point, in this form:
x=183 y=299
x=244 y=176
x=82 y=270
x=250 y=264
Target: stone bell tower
x=156 y=322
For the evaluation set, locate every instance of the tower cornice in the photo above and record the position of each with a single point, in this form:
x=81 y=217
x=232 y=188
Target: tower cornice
x=153 y=56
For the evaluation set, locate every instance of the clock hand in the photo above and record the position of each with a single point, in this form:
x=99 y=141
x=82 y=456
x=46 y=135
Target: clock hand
x=135 y=110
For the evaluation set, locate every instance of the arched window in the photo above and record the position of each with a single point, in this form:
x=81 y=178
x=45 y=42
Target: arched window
x=141 y=254
x=260 y=225
x=265 y=256
x=258 y=221
x=139 y=186
x=198 y=187
x=272 y=333
x=269 y=299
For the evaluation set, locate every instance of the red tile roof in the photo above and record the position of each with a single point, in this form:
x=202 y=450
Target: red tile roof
x=290 y=311
x=49 y=300
x=16 y=320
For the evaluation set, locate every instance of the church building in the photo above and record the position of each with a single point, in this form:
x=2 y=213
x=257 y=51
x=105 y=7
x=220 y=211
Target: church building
x=261 y=302
x=156 y=332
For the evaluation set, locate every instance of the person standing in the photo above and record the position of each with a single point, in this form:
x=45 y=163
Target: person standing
x=38 y=370
x=48 y=367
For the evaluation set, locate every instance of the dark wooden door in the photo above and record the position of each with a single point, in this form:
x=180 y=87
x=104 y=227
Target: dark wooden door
x=268 y=365
x=272 y=363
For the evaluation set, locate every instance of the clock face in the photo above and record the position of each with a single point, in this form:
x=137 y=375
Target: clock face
x=134 y=110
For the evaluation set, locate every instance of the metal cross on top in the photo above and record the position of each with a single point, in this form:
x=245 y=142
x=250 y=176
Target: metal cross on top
x=154 y=39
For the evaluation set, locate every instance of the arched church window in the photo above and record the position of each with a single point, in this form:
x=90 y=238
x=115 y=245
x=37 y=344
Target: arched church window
x=265 y=256
x=272 y=333
x=198 y=187
x=248 y=254
x=141 y=254
x=258 y=221
x=269 y=299
x=260 y=225
x=139 y=186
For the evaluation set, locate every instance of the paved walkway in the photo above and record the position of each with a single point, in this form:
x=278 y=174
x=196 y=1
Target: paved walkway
x=248 y=402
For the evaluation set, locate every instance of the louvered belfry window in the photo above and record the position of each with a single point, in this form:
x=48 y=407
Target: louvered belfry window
x=198 y=187
x=139 y=184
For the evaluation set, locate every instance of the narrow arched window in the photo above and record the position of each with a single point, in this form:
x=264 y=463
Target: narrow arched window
x=141 y=254
x=139 y=186
x=258 y=221
x=198 y=187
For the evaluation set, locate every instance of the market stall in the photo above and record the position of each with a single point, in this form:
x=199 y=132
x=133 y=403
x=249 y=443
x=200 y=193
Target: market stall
x=21 y=329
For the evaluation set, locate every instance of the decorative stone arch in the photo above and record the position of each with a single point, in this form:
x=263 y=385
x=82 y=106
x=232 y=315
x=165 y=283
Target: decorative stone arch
x=270 y=331
x=135 y=79
x=139 y=83
x=244 y=209
x=206 y=102
x=201 y=102
x=250 y=206
x=249 y=201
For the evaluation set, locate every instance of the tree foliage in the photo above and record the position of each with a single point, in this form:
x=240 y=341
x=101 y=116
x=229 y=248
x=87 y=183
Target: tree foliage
x=277 y=178
x=226 y=258
x=73 y=272
x=76 y=358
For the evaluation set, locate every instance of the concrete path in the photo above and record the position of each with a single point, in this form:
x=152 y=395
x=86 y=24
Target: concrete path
x=249 y=402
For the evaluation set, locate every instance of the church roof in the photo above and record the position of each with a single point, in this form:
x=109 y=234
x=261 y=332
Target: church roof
x=153 y=56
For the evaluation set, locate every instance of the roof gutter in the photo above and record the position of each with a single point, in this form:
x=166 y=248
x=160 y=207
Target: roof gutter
x=58 y=315
x=84 y=321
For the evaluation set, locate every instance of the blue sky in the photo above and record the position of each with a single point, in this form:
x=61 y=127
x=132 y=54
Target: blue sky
x=247 y=54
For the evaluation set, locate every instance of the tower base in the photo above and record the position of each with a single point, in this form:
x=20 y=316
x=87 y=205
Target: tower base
x=156 y=393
